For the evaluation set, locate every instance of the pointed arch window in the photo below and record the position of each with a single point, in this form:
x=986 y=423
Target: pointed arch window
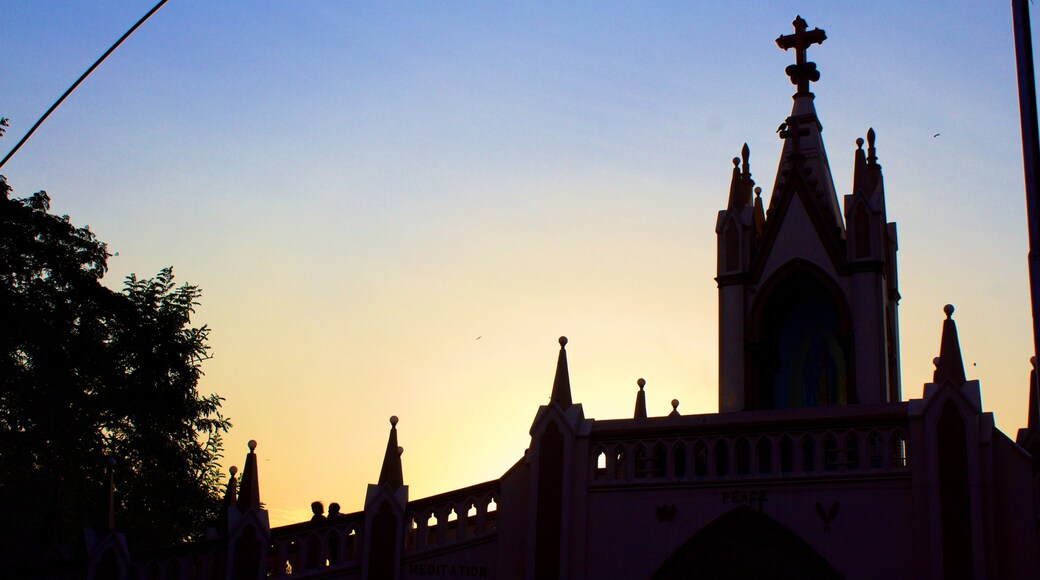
x=679 y=460
x=831 y=454
x=801 y=343
x=852 y=451
x=659 y=461
x=721 y=458
x=640 y=462
x=808 y=454
x=743 y=456
x=700 y=459
x=764 y=452
x=898 y=449
x=786 y=455
x=875 y=450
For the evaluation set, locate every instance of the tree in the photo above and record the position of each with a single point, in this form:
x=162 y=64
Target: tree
x=88 y=373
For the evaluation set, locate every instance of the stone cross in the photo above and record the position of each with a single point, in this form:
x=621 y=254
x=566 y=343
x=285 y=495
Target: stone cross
x=802 y=73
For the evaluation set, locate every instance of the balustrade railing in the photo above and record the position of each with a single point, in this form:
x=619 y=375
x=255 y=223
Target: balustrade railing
x=458 y=516
x=728 y=456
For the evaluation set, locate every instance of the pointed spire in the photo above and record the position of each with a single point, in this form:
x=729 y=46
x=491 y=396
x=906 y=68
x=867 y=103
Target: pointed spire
x=949 y=365
x=871 y=150
x=249 y=492
x=741 y=183
x=859 y=170
x=866 y=175
x=561 y=391
x=760 y=213
x=640 y=400
x=390 y=474
x=803 y=152
x=231 y=494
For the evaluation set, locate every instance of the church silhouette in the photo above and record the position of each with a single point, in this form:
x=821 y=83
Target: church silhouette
x=813 y=467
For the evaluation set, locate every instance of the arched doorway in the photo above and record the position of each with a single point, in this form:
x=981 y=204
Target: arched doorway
x=745 y=544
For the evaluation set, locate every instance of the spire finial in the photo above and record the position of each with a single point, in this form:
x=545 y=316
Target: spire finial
x=802 y=72
x=675 y=408
x=561 y=391
x=745 y=155
x=249 y=488
x=390 y=474
x=871 y=150
x=640 y=412
x=230 y=496
x=950 y=365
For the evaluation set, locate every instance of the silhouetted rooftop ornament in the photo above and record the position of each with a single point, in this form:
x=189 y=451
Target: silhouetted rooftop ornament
x=640 y=412
x=561 y=391
x=802 y=72
x=949 y=366
x=390 y=474
x=675 y=408
x=249 y=490
x=872 y=151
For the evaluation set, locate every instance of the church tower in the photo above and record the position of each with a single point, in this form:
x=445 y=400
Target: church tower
x=807 y=300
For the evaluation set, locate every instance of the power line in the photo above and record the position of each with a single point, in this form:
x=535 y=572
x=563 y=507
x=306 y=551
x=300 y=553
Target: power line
x=97 y=63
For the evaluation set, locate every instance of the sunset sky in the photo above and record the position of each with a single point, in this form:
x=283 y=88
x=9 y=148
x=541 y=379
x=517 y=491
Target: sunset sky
x=397 y=208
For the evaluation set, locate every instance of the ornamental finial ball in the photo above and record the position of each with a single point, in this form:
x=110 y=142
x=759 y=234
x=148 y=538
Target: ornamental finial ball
x=1032 y=361
x=252 y=445
x=859 y=142
x=675 y=403
x=948 y=309
x=935 y=361
x=400 y=450
x=233 y=471
x=563 y=341
x=393 y=420
x=736 y=161
x=641 y=383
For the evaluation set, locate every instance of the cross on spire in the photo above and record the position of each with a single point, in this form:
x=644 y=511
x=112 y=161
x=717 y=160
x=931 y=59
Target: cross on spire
x=802 y=73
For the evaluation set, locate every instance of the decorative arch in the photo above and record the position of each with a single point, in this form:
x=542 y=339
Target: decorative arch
x=744 y=543
x=799 y=342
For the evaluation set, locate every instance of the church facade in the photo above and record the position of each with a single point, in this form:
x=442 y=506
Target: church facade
x=814 y=466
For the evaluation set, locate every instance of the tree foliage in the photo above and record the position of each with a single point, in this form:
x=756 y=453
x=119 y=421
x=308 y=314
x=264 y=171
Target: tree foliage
x=88 y=373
